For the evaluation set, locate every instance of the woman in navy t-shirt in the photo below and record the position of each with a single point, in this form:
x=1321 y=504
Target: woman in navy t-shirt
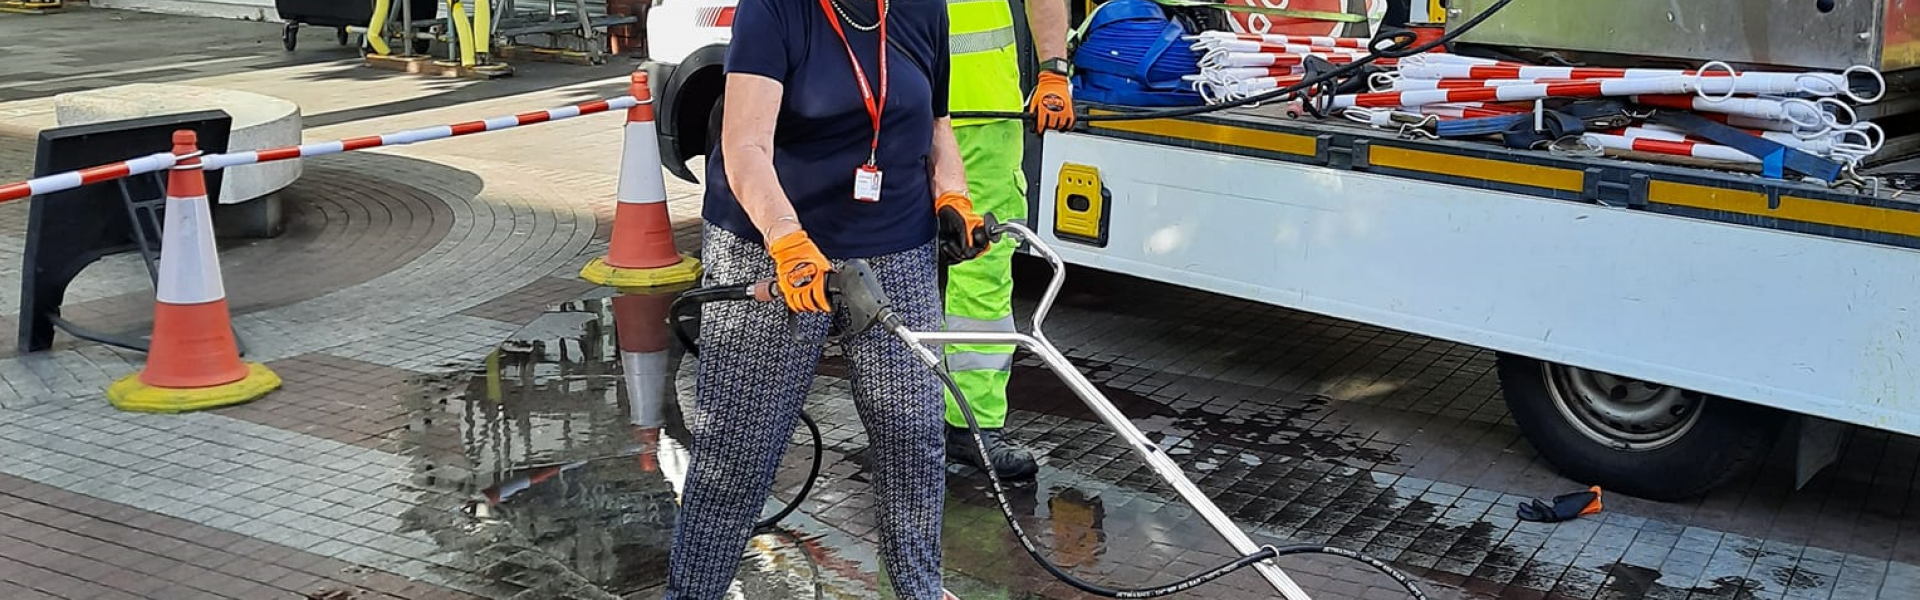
x=803 y=163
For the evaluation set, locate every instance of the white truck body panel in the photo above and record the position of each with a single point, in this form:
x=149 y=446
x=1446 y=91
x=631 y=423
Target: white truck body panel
x=676 y=28
x=1807 y=324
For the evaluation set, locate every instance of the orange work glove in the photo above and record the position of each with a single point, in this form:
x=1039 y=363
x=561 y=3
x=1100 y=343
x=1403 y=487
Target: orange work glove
x=963 y=234
x=1052 y=105
x=801 y=271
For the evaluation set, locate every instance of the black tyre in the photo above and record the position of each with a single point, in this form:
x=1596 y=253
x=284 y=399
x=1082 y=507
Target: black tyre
x=341 y=35
x=422 y=46
x=1638 y=438
x=290 y=36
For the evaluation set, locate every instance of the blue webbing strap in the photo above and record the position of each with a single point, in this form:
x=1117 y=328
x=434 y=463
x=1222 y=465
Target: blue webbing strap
x=1775 y=158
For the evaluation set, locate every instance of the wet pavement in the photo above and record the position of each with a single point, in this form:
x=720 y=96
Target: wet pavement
x=560 y=457
x=413 y=455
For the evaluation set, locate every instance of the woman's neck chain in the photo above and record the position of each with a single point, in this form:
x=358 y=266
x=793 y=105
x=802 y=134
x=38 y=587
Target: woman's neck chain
x=855 y=24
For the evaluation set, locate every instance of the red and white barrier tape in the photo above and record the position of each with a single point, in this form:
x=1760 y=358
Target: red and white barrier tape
x=1821 y=84
x=1386 y=82
x=1808 y=116
x=1672 y=148
x=414 y=136
x=1242 y=46
x=1837 y=145
x=60 y=182
x=1271 y=59
x=1275 y=38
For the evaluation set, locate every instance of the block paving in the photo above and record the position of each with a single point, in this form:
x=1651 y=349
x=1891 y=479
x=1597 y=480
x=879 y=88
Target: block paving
x=455 y=422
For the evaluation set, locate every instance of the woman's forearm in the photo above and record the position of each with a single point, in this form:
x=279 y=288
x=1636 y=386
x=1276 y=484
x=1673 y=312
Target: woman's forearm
x=746 y=138
x=757 y=188
x=948 y=171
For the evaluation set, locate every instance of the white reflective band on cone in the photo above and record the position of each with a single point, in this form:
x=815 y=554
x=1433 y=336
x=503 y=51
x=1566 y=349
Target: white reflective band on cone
x=189 y=267
x=646 y=387
x=641 y=179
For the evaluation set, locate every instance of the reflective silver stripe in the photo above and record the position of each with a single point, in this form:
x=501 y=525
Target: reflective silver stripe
x=980 y=41
x=979 y=361
x=955 y=323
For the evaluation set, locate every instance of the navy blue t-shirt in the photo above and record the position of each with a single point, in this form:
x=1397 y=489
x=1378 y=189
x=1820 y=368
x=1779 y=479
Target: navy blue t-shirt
x=824 y=133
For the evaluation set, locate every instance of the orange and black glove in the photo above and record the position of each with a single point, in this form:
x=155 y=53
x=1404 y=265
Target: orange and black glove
x=963 y=234
x=1565 y=507
x=1052 y=104
x=801 y=271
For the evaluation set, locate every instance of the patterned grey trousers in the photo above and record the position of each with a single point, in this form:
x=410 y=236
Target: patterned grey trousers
x=753 y=377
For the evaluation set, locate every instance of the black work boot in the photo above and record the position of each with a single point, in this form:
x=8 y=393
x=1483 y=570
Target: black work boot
x=1009 y=460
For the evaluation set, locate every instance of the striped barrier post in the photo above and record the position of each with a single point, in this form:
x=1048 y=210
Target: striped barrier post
x=641 y=254
x=193 y=362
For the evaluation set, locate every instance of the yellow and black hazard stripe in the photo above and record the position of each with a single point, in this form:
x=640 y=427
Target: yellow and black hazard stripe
x=1699 y=193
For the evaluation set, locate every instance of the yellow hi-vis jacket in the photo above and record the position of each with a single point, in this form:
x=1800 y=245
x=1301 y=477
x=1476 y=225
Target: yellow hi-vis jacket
x=986 y=61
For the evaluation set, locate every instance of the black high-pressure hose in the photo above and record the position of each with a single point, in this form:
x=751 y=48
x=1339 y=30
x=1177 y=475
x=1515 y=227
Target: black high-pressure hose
x=1399 y=46
x=684 y=309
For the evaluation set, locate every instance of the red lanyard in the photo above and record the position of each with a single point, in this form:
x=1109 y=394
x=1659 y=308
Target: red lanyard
x=866 y=90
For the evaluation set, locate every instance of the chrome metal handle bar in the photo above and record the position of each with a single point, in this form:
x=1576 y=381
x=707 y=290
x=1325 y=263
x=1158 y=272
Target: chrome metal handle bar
x=1151 y=453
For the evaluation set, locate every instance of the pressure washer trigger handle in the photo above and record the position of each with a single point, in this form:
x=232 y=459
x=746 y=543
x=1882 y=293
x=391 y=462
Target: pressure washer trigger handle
x=989 y=232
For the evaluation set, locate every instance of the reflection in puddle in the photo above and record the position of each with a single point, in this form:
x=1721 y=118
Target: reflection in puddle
x=553 y=470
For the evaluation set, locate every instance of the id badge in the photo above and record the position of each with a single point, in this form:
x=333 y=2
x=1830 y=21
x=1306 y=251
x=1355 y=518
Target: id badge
x=866 y=184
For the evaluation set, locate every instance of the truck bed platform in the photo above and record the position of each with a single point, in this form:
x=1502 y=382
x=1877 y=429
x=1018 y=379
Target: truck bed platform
x=1714 y=194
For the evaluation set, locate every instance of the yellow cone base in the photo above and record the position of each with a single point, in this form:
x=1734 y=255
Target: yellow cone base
x=30 y=7
x=130 y=394
x=600 y=273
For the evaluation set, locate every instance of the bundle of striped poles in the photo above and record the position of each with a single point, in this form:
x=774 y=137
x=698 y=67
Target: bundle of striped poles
x=1809 y=111
x=1234 y=66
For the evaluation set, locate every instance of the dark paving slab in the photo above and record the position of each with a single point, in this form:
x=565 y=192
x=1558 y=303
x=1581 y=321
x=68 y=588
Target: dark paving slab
x=335 y=398
x=56 y=544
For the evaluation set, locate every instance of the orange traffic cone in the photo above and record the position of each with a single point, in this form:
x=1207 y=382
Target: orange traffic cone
x=642 y=253
x=192 y=360
x=640 y=328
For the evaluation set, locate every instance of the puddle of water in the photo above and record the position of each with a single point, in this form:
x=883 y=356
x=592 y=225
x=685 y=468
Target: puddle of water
x=554 y=469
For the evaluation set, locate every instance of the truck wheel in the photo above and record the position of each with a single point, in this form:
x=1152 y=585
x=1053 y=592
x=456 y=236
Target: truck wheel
x=1638 y=438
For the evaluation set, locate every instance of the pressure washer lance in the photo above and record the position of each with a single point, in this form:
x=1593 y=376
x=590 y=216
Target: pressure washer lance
x=865 y=304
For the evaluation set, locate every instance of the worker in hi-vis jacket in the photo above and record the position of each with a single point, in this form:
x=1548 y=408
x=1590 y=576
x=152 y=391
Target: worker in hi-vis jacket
x=979 y=293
